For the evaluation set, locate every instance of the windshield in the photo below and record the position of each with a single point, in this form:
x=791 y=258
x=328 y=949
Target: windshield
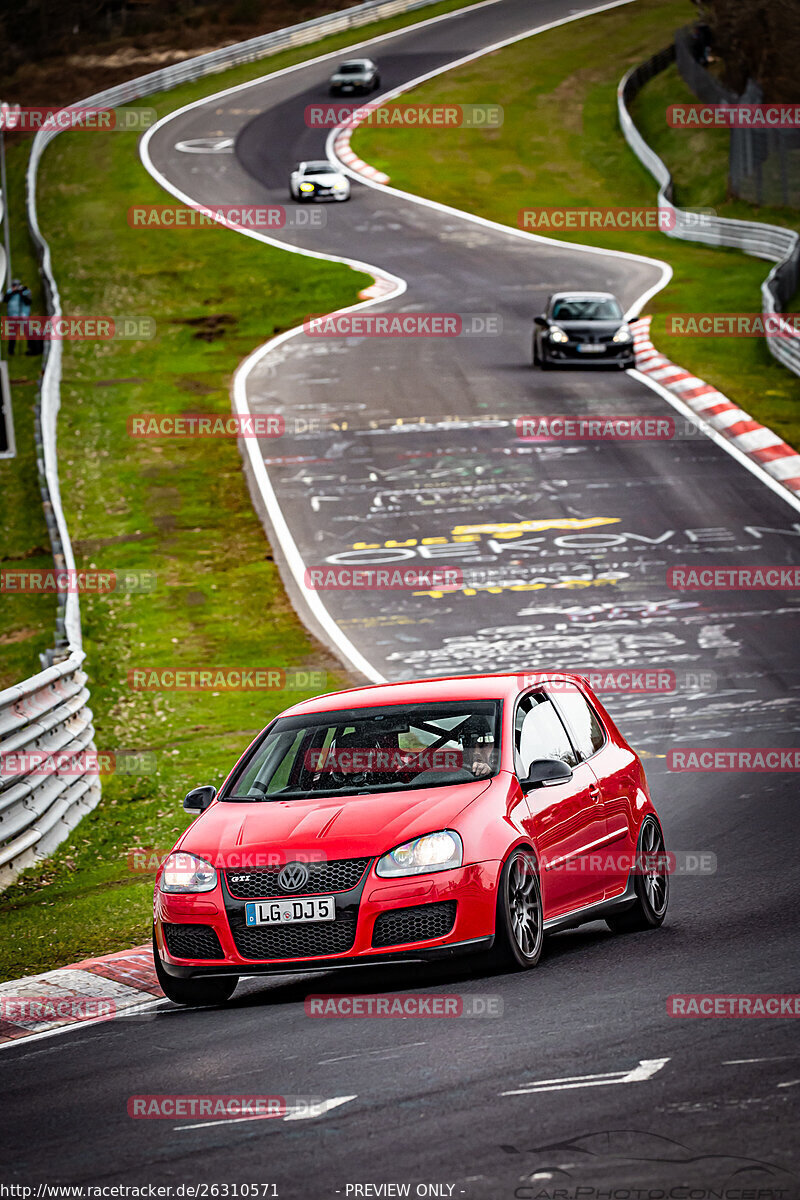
x=352 y=68
x=319 y=168
x=356 y=750
x=575 y=309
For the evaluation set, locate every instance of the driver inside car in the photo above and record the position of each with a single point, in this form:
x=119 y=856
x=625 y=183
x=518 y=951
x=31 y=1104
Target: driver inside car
x=477 y=741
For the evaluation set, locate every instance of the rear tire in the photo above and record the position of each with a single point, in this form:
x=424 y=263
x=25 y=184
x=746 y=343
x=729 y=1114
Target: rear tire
x=194 y=992
x=651 y=887
x=519 y=924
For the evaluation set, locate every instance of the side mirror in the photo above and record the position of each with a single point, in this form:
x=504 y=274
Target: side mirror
x=541 y=322
x=544 y=772
x=198 y=799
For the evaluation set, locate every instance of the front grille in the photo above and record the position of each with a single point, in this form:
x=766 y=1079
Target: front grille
x=297 y=941
x=192 y=941
x=414 y=924
x=323 y=878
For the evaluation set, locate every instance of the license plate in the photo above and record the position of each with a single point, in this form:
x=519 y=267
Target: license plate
x=590 y=348
x=286 y=912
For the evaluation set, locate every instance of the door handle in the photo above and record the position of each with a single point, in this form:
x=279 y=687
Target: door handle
x=594 y=792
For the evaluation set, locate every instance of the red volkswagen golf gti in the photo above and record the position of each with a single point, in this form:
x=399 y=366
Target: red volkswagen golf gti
x=408 y=822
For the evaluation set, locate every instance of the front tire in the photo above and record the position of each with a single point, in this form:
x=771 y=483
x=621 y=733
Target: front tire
x=519 y=924
x=651 y=885
x=193 y=992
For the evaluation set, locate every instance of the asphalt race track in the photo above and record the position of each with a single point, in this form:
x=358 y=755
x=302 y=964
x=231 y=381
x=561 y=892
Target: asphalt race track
x=412 y=442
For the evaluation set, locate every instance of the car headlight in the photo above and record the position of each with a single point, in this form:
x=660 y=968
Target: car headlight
x=341 y=185
x=558 y=335
x=187 y=873
x=623 y=334
x=306 y=187
x=439 y=851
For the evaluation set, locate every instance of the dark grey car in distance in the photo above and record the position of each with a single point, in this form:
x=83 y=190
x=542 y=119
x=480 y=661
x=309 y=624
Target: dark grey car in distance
x=586 y=328
x=355 y=75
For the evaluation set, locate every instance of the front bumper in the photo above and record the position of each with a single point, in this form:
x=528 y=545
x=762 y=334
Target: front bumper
x=322 y=193
x=568 y=354
x=469 y=893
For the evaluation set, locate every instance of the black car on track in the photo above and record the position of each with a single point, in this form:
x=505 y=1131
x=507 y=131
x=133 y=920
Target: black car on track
x=586 y=328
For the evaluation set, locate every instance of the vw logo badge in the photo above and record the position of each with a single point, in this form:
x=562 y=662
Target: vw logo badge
x=293 y=877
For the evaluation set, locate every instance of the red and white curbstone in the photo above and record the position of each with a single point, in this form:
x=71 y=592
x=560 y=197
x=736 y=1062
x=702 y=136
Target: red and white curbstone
x=758 y=442
x=96 y=989
x=351 y=160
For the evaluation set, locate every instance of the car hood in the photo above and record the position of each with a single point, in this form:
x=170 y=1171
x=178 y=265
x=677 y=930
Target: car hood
x=327 y=179
x=589 y=329
x=350 y=78
x=340 y=827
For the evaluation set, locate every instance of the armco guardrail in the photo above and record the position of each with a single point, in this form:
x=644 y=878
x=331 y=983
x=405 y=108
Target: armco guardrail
x=50 y=711
x=773 y=242
x=44 y=715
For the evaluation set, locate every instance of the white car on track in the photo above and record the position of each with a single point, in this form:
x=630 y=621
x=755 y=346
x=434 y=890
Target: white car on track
x=355 y=75
x=318 y=181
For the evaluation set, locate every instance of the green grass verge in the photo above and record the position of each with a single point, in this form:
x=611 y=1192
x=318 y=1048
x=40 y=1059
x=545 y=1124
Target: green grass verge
x=180 y=509
x=560 y=145
x=27 y=623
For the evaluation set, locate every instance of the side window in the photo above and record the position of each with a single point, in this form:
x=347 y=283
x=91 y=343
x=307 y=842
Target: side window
x=583 y=722
x=539 y=733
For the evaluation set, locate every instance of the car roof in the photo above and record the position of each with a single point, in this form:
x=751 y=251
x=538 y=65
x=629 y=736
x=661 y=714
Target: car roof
x=315 y=163
x=583 y=296
x=357 y=62
x=419 y=691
